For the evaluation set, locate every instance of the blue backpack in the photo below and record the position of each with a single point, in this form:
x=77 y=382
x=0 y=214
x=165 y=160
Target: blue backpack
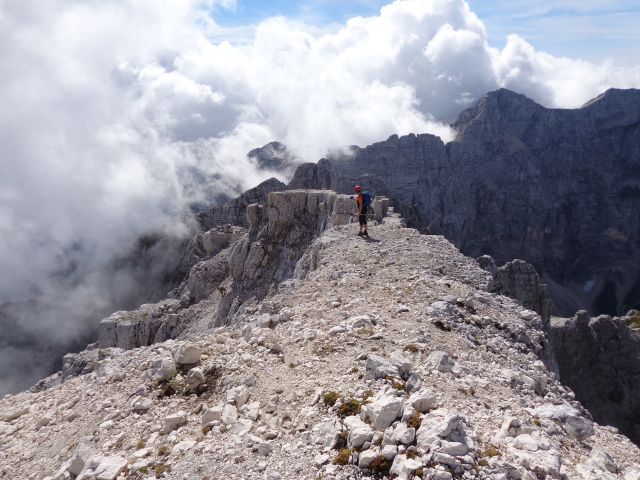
x=366 y=199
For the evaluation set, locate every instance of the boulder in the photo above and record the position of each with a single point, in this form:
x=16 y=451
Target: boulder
x=377 y=367
x=366 y=457
x=103 y=468
x=359 y=432
x=441 y=361
x=12 y=414
x=206 y=276
x=440 y=424
x=229 y=415
x=570 y=418
x=163 y=369
x=213 y=414
x=423 y=401
x=84 y=451
x=173 y=421
x=187 y=354
x=402 y=363
x=195 y=378
x=382 y=412
x=237 y=395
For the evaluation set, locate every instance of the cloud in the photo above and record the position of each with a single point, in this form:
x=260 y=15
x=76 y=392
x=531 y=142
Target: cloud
x=110 y=107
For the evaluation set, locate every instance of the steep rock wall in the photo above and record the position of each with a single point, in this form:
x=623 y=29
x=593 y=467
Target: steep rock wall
x=236 y=264
x=599 y=358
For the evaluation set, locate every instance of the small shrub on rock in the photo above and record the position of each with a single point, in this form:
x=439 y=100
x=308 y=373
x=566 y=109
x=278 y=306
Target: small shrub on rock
x=323 y=349
x=411 y=347
x=634 y=321
x=380 y=465
x=412 y=453
x=161 y=469
x=330 y=398
x=398 y=385
x=342 y=458
x=164 y=450
x=168 y=388
x=352 y=407
x=415 y=421
x=490 y=451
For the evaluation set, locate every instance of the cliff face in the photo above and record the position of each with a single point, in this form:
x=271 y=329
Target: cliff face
x=557 y=188
x=599 y=358
x=235 y=265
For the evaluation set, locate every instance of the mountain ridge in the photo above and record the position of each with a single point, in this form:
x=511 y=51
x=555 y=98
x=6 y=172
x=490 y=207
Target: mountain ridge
x=346 y=358
x=555 y=187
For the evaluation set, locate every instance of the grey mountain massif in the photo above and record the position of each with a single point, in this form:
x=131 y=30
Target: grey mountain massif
x=544 y=200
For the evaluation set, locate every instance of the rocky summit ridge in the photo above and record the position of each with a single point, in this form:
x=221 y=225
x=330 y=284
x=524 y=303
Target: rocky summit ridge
x=558 y=188
x=296 y=350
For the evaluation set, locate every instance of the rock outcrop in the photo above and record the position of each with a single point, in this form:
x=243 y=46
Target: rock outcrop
x=151 y=323
x=557 y=188
x=519 y=280
x=599 y=358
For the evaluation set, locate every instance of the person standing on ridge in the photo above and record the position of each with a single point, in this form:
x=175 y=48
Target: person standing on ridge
x=363 y=200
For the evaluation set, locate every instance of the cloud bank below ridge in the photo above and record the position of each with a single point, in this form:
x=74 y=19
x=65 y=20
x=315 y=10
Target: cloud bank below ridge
x=113 y=110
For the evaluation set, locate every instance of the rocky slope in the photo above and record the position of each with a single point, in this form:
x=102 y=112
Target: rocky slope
x=557 y=188
x=352 y=359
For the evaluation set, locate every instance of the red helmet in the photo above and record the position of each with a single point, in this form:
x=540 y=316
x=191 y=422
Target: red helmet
x=357 y=188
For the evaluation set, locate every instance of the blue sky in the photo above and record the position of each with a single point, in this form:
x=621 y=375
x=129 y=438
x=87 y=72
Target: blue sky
x=588 y=29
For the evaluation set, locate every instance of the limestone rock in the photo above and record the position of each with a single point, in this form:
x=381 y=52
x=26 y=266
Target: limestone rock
x=229 y=415
x=238 y=395
x=365 y=458
x=441 y=361
x=12 y=414
x=173 y=421
x=378 y=367
x=498 y=202
x=570 y=418
x=163 y=369
x=423 y=401
x=81 y=456
x=234 y=211
x=519 y=280
x=213 y=414
x=441 y=424
x=103 y=468
x=359 y=432
x=206 y=276
x=187 y=354
x=382 y=412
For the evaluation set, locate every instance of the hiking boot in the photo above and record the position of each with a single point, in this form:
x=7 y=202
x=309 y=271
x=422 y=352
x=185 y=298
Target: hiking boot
x=360 y=234
x=365 y=234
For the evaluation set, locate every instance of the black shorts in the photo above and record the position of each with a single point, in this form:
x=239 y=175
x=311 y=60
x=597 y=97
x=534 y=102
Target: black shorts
x=362 y=218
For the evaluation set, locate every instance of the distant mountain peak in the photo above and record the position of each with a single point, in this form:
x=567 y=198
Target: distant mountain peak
x=274 y=156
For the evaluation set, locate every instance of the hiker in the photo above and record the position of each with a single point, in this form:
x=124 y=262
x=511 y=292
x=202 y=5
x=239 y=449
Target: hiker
x=363 y=200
